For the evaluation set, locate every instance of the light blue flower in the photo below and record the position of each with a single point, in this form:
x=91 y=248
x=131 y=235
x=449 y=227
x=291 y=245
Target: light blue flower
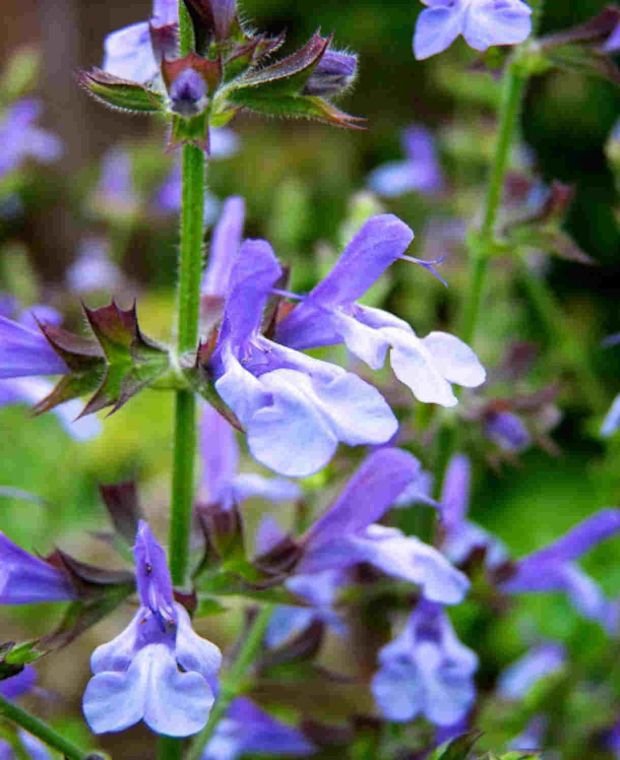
x=157 y=670
x=426 y=671
x=482 y=23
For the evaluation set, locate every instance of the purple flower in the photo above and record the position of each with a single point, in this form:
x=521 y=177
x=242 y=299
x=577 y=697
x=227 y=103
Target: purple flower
x=222 y=484
x=248 y=730
x=20 y=684
x=225 y=245
x=554 y=568
x=507 y=431
x=519 y=679
x=21 y=139
x=133 y=52
x=419 y=491
x=612 y=45
x=25 y=579
x=419 y=172
x=612 y=420
x=157 y=670
x=482 y=23
x=348 y=534
x=613 y=740
x=462 y=537
x=26 y=352
x=295 y=409
x=32 y=390
x=116 y=192
x=334 y=74
x=426 y=671
x=93 y=269
x=330 y=315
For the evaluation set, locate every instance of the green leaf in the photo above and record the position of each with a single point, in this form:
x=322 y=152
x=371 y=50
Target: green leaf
x=457 y=749
x=194 y=131
x=120 y=94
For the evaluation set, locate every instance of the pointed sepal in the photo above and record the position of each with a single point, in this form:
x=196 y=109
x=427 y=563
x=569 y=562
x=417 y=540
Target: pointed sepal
x=121 y=501
x=133 y=361
x=120 y=94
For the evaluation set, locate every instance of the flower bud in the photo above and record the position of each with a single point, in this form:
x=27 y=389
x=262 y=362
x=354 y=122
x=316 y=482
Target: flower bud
x=334 y=74
x=188 y=94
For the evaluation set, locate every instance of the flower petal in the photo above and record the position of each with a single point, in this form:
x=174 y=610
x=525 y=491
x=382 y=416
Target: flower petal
x=26 y=352
x=220 y=456
x=128 y=54
x=436 y=29
x=580 y=539
x=371 y=491
x=518 y=679
x=455 y=360
x=497 y=22
x=393 y=179
x=414 y=366
x=225 y=245
x=455 y=493
x=194 y=653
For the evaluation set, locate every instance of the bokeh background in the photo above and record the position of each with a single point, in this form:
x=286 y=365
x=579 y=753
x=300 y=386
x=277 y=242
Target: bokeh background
x=302 y=184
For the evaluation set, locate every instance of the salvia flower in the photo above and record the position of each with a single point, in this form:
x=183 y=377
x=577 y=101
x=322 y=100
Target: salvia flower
x=420 y=172
x=295 y=409
x=333 y=75
x=157 y=670
x=507 y=430
x=532 y=737
x=25 y=352
x=26 y=579
x=222 y=483
x=554 y=568
x=225 y=244
x=133 y=52
x=348 y=534
x=461 y=536
x=482 y=23
x=21 y=138
x=248 y=730
x=521 y=677
x=426 y=671
x=330 y=315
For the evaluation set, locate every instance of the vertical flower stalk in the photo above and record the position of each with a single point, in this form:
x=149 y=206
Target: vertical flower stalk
x=190 y=268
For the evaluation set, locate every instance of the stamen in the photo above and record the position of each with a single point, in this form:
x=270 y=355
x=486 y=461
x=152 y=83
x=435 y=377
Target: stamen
x=428 y=265
x=287 y=294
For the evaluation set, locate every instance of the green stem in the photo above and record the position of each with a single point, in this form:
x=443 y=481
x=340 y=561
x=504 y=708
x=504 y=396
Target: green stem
x=42 y=731
x=481 y=244
x=188 y=316
x=233 y=682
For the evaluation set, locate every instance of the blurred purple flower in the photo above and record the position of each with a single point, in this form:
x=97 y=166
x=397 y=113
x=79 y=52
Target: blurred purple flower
x=419 y=172
x=482 y=23
x=21 y=139
x=613 y=740
x=612 y=45
x=20 y=684
x=295 y=409
x=116 y=192
x=26 y=352
x=222 y=484
x=93 y=270
x=554 y=569
x=462 y=537
x=426 y=671
x=25 y=579
x=419 y=491
x=611 y=422
x=507 y=430
x=248 y=730
x=348 y=534
x=330 y=315
x=32 y=390
x=519 y=678
x=157 y=670
x=133 y=52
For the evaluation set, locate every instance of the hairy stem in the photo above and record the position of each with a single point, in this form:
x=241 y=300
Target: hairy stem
x=42 y=731
x=233 y=681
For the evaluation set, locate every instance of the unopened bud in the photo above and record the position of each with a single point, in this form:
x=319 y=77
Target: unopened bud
x=334 y=74
x=188 y=94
